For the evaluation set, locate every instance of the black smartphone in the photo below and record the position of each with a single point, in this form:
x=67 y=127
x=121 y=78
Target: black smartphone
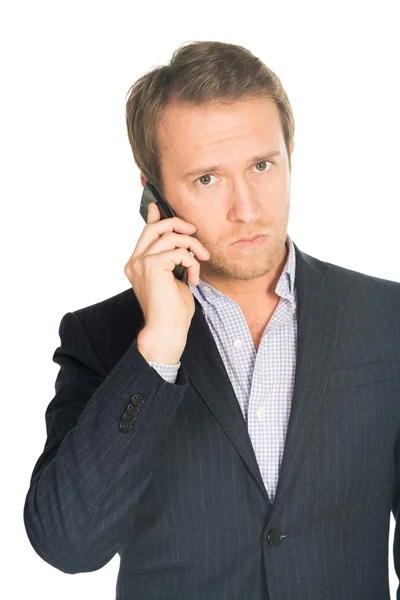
x=150 y=194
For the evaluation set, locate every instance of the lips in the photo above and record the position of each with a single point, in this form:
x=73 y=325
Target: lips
x=248 y=239
x=250 y=244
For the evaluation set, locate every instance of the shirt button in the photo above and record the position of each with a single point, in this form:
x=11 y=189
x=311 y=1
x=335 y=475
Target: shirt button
x=237 y=343
x=260 y=413
x=206 y=288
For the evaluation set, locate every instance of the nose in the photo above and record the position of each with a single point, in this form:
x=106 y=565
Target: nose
x=244 y=202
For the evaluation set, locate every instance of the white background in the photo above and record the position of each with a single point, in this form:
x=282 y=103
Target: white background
x=70 y=190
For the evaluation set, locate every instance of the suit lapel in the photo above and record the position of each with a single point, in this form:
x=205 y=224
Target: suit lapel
x=206 y=372
x=318 y=303
x=318 y=312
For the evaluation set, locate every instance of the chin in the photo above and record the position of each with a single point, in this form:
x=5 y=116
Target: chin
x=244 y=270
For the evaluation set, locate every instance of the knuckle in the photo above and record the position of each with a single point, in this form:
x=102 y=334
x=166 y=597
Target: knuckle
x=146 y=260
x=133 y=270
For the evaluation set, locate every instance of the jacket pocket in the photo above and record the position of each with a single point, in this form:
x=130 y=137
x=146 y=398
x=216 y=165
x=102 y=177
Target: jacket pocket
x=352 y=377
x=163 y=583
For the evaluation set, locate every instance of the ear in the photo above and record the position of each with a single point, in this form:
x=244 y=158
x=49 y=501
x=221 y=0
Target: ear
x=142 y=179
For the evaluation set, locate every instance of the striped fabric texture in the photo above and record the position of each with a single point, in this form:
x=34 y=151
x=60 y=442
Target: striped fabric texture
x=263 y=381
x=250 y=476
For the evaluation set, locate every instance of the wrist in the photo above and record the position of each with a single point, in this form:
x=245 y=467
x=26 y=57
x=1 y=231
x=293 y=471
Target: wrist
x=160 y=347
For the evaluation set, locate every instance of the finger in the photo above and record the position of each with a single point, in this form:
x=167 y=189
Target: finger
x=169 y=260
x=160 y=227
x=153 y=214
x=170 y=240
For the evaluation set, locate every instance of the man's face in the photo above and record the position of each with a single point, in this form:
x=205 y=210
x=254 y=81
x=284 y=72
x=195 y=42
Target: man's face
x=243 y=196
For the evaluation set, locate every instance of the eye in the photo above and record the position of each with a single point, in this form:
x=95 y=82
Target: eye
x=263 y=162
x=204 y=177
x=207 y=175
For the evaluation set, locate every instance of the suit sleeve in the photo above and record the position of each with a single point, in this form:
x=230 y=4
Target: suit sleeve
x=86 y=484
x=396 y=514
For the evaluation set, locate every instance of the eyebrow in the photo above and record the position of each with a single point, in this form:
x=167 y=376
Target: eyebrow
x=207 y=170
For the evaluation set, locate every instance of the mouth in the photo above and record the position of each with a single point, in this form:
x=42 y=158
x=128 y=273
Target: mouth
x=249 y=239
x=253 y=242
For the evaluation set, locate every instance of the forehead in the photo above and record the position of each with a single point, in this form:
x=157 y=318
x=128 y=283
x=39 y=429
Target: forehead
x=186 y=130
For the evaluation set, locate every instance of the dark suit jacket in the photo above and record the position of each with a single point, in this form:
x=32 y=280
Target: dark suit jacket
x=165 y=474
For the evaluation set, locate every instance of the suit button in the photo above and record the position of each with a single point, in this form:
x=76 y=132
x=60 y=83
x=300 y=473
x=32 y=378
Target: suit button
x=125 y=427
x=137 y=399
x=127 y=418
x=275 y=537
x=132 y=410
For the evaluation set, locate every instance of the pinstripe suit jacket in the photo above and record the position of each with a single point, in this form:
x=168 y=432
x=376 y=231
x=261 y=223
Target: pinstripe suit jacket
x=165 y=474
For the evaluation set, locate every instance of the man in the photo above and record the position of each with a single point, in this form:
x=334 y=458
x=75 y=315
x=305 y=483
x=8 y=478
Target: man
x=235 y=437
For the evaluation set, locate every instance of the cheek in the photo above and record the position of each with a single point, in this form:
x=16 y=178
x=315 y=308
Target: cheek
x=209 y=234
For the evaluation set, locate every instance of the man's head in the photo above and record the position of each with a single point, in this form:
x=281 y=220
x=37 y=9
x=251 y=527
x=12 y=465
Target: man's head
x=216 y=105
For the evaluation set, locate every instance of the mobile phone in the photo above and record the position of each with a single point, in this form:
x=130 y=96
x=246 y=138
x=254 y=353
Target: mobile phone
x=150 y=194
